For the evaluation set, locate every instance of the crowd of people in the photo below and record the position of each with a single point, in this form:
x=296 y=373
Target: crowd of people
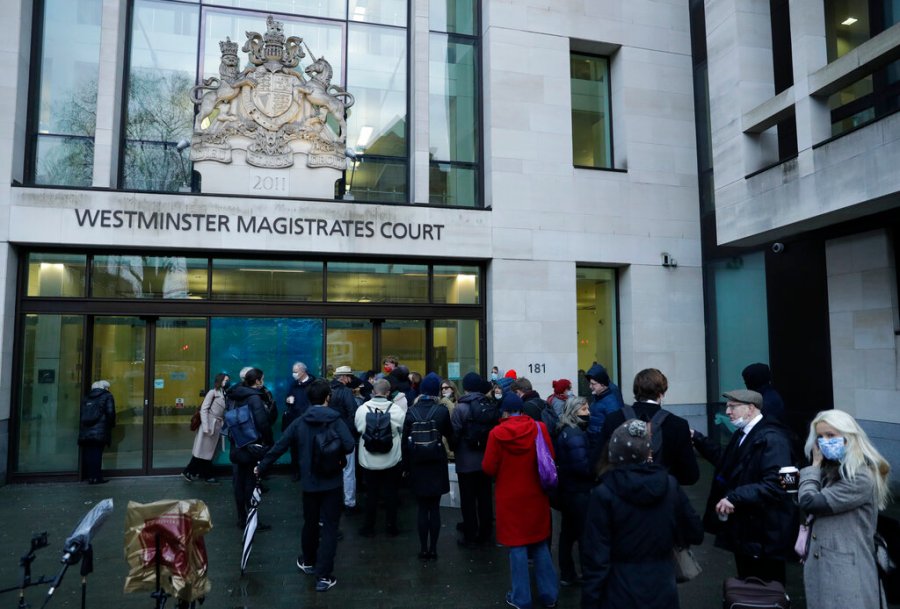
x=620 y=469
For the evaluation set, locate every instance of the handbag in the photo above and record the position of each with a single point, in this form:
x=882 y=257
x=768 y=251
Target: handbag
x=753 y=592
x=545 y=463
x=801 y=546
x=195 y=421
x=686 y=566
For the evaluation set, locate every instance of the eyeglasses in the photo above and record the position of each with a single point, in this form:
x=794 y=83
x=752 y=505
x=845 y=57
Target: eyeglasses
x=445 y=387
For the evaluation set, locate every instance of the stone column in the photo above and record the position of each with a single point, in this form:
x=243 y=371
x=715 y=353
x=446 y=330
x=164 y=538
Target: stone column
x=809 y=53
x=109 y=94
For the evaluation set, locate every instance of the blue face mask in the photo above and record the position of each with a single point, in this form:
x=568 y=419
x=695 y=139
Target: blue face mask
x=833 y=449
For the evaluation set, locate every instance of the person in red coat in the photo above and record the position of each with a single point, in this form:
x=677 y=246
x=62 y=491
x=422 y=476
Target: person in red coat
x=523 y=509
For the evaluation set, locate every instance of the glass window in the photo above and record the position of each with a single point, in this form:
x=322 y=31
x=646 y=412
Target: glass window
x=453 y=16
x=267 y=280
x=336 y=9
x=453 y=121
x=50 y=394
x=67 y=93
x=847 y=26
x=348 y=342
x=377 y=179
x=455 y=348
x=355 y=282
x=591 y=125
x=388 y=12
x=51 y=275
x=376 y=75
x=456 y=285
x=742 y=325
x=597 y=322
x=169 y=277
x=271 y=344
x=160 y=113
x=405 y=339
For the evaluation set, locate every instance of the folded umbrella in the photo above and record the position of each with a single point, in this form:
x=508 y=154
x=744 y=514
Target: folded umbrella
x=250 y=526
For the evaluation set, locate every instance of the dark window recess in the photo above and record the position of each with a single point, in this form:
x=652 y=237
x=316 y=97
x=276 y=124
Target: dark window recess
x=782 y=62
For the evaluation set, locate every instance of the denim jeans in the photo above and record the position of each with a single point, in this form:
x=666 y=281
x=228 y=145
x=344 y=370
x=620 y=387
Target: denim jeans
x=544 y=574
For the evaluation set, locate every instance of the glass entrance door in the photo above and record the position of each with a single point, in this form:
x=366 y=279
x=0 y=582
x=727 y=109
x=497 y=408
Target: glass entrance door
x=155 y=368
x=179 y=366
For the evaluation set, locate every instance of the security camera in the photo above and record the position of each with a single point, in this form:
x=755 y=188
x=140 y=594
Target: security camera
x=182 y=145
x=777 y=247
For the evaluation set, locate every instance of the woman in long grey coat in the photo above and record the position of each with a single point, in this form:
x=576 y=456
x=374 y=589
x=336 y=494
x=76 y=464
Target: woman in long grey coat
x=843 y=489
x=212 y=416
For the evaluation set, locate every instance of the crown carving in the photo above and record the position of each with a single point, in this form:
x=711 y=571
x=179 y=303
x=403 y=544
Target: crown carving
x=228 y=47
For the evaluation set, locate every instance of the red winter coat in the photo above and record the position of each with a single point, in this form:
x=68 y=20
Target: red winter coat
x=523 y=509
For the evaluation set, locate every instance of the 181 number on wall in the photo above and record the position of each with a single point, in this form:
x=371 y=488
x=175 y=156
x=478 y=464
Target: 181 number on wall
x=537 y=368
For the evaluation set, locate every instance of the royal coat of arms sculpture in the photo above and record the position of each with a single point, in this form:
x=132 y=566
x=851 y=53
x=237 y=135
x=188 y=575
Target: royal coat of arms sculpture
x=270 y=111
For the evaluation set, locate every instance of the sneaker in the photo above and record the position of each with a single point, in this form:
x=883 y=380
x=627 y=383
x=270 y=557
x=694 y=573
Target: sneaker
x=212 y=481
x=510 y=603
x=187 y=476
x=325 y=583
x=308 y=569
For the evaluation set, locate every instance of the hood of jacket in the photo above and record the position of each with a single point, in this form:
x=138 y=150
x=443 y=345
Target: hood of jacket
x=241 y=393
x=96 y=393
x=516 y=433
x=642 y=484
x=317 y=415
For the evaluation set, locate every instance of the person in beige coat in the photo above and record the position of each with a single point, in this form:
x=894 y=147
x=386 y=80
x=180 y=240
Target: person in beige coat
x=212 y=416
x=843 y=489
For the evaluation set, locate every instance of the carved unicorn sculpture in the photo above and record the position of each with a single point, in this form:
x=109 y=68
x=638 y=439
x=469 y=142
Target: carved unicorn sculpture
x=325 y=96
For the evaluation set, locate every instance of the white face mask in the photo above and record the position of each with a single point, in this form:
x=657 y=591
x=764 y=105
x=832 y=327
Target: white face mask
x=447 y=393
x=570 y=393
x=498 y=394
x=740 y=423
x=296 y=376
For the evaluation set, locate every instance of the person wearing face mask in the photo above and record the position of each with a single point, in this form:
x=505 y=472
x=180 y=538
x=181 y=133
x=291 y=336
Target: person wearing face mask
x=748 y=511
x=296 y=404
x=576 y=478
x=449 y=398
x=843 y=489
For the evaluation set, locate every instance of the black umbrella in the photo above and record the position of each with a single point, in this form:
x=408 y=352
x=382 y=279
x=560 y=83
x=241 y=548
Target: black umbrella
x=250 y=526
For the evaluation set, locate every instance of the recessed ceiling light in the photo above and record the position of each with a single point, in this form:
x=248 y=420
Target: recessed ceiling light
x=849 y=21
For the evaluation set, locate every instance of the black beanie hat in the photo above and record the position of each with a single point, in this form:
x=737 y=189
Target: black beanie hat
x=472 y=382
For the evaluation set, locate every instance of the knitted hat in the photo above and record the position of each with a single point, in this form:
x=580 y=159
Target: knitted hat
x=511 y=403
x=430 y=385
x=756 y=376
x=504 y=383
x=511 y=374
x=629 y=443
x=472 y=382
x=561 y=386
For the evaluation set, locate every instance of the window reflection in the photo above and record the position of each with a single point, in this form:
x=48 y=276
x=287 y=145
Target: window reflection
x=267 y=280
x=353 y=282
x=336 y=9
x=169 y=277
x=348 y=342
x=591 y=132
x=160 y=112
x=67 y=107
x=52 y=275
x=456 y=284
x=456 y=350
x=388 y=12
x=453 y=16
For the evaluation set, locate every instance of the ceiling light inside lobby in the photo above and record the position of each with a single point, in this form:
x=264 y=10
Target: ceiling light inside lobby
x=849 y=21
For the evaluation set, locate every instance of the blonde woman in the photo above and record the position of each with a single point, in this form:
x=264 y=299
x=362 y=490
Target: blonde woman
x=844 y=489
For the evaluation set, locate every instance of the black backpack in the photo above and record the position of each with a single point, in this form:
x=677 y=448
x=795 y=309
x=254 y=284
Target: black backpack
x=378 y=437
x=483 y=417
x=656 y=436
x=91 y=411
x=328 y=458
x=424 y=438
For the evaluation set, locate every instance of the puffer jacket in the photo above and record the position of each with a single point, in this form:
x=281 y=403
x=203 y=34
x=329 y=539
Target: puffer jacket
x=99 y=432
x=573 y=459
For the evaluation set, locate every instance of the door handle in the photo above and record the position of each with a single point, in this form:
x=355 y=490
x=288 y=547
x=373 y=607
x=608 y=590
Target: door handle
x=146 y=402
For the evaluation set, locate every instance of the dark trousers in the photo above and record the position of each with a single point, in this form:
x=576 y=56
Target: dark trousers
x=429 y=522
x=319 y=544
x=382 y=483
x=768 y=569
x=574 y=508
x=92 y=460
x=244 y=482
x=475 y=499
x=200 y=467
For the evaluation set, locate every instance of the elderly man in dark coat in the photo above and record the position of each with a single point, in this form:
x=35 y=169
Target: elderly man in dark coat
x=748 y=511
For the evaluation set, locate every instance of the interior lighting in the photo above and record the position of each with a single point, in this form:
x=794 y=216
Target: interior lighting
x=365 y=134
x=56 y=266
x=849 y=21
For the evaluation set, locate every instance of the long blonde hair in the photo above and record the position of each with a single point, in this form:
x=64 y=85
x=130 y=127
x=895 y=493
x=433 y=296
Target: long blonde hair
x=859 y=453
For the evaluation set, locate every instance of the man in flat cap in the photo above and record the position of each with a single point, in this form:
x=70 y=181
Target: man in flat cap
x=748 y=511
